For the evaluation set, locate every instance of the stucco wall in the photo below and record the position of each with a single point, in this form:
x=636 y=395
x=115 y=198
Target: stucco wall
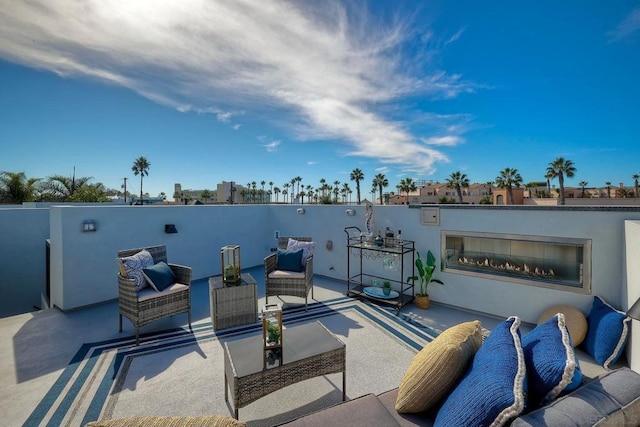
x=23 y=233
x=83 y=264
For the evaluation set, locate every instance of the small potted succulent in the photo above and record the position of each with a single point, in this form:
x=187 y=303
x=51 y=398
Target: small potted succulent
x=424 y=277
x=386 y=288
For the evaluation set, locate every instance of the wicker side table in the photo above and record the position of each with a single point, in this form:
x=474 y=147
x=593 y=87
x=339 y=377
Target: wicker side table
x=233 y=305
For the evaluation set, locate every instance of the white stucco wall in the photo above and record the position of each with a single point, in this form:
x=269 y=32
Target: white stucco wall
x=23 y=233
x=632 y=259
x=83 y=264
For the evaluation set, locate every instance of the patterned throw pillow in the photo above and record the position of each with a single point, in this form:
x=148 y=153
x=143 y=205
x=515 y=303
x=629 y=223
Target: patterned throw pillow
x=492 y=390
x=438 y=367
x=607 y=333
x=134 y=264
x=551 y=363
x=307 y=249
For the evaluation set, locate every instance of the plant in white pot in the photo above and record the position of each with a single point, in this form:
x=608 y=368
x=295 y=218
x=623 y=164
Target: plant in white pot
x=424 y=277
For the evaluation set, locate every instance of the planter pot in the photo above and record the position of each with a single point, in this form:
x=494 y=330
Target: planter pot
x=422 y=301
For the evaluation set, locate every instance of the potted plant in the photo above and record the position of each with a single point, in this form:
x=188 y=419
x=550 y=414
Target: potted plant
x=424 y=277
x=386 y=288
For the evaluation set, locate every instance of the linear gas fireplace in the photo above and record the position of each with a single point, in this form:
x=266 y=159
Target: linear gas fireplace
x=551 y=262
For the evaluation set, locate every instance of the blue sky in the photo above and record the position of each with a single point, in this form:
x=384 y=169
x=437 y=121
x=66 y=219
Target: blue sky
x=269 y=90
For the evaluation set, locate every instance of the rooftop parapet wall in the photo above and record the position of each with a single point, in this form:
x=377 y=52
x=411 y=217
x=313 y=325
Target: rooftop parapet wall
x=83 y=263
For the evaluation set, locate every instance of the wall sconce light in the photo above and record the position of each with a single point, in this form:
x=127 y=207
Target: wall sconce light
x=350 y=212
x=170 y=228
x=329 y=245
x=88 y=225
x=300 y=211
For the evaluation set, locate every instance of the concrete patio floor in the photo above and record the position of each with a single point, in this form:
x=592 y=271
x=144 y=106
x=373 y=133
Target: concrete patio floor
x=37 y=346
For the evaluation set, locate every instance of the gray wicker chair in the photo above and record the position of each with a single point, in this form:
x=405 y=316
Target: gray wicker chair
x=283 y=284
x=142 y=311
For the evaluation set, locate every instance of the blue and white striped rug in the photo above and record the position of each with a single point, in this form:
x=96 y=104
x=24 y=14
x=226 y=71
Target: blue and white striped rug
x=180 y=372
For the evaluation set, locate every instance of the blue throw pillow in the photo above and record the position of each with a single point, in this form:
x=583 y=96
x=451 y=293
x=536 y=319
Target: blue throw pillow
x=551 y=363
x=159 y=276
x=607 y=332
x=289 y=260
x=492 y=390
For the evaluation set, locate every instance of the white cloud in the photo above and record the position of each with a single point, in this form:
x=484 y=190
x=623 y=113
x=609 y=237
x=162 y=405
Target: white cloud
x=319 y=69
x=236 y=126
x=312 y=162
x=625 y=29
x=272 y=146
x=455 y=37
x=449 y=140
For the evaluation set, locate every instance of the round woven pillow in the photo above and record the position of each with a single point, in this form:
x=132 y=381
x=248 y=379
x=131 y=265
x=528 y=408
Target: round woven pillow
x=574 y=319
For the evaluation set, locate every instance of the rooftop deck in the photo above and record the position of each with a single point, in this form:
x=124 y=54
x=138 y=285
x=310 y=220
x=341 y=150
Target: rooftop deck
x=39 y=345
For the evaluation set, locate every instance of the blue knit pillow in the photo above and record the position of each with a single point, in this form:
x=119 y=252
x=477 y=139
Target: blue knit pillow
x=290 y=260
x=551 y=363
x=607 y=333
x=492 y=390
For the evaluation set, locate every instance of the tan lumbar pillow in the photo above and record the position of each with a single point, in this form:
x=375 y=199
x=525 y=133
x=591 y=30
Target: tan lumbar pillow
x=438 y=367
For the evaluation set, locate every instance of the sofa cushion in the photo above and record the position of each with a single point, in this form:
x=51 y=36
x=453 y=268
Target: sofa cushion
x=438 y=367
x=289 y=260
x=551 y=362
x=573 y=318
x=610 y=399
x=159 y=276
x=363 y=411
x=492 y=390
x=133 y=266
x=607 y=334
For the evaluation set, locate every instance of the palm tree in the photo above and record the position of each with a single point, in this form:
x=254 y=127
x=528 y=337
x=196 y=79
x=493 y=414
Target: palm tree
x=322 y=185
x=509 y=178
x=299 y=180
x=583 y=184
x=560 y=168
x=293 y=193
x=336 y=190
x=205 y=195
x=608 y=184
x=406 y=186
x=286 y=186
x=357 y=175
x=141 y=167
x=262 y=183
x=635 y=177
x=62 y=188
x=345 y=191
x=16 y=188
x=458 y=181
x=380 y=181
x=270 y=190
x=276 y=190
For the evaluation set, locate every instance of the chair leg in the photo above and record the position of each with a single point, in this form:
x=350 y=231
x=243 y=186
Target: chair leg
x=120 y=323
x=137 y=336
x=189 y=314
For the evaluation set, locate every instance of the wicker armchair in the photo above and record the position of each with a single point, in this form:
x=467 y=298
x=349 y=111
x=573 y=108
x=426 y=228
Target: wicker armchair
x=146 y=306
x=286 y=282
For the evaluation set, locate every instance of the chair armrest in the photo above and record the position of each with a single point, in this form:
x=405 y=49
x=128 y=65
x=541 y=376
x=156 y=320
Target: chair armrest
x=127 y=287
x=270 y=263
x=308 y=269
x=182 y=273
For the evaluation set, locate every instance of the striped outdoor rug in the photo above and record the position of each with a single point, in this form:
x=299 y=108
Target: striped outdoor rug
x=180 y=372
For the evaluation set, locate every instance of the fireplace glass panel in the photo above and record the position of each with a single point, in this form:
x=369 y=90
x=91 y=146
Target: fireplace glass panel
x=556 y=262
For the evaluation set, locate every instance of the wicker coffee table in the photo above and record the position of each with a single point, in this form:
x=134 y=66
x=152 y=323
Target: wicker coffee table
x=308 y=351
x=233 y=305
